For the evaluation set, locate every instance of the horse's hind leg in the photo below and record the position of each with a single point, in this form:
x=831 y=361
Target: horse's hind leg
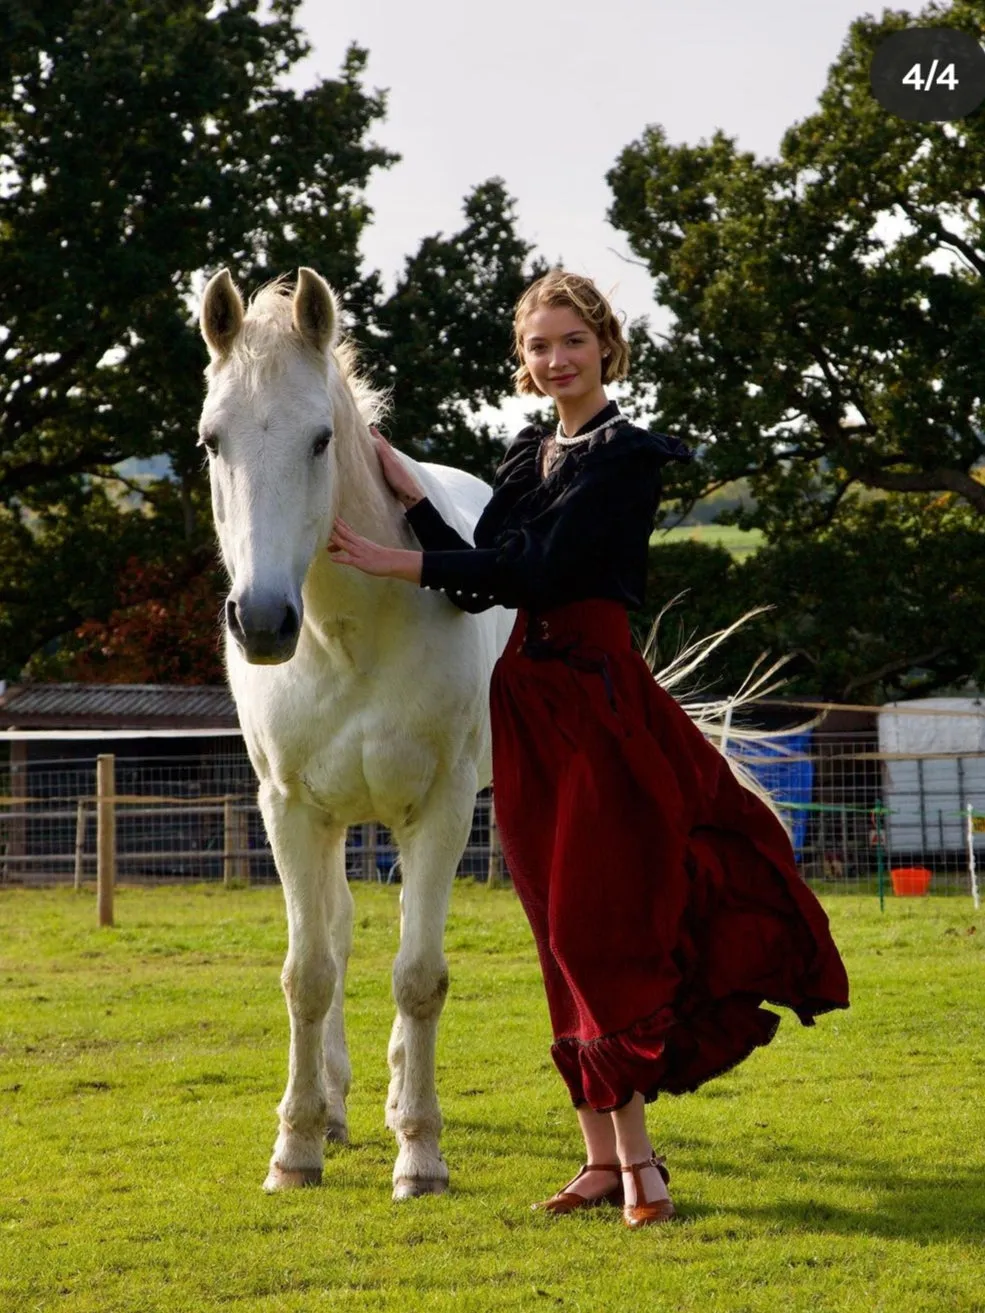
x=310 y=859
x=338 y=1072
x=429 y=854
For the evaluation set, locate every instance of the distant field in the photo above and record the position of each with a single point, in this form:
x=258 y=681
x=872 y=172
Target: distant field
x=737 y=541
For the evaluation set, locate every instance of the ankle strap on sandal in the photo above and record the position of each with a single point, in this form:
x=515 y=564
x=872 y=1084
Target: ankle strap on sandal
x=636 y=1168
x=599 y=1167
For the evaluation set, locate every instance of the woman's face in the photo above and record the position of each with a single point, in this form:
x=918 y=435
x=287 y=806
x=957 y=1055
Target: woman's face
x=562 y=353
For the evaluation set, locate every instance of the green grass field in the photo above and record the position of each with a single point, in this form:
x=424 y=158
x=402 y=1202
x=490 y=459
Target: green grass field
x=739 y=542
x=841 y=1168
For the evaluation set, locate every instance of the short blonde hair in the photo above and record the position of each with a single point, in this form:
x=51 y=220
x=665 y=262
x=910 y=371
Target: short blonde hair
x=560 y=288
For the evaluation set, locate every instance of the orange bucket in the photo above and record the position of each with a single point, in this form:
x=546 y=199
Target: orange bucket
x=910 y=881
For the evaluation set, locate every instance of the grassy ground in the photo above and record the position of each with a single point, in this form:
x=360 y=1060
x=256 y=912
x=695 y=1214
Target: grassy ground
x=140 y=1067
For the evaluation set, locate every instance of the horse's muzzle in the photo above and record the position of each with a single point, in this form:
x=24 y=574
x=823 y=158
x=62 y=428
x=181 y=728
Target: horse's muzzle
x=266 y=630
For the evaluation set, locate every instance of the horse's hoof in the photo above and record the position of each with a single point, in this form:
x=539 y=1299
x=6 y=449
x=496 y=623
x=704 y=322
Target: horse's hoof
x=291 y=1178
x=411 y=1187
x=337 y=1133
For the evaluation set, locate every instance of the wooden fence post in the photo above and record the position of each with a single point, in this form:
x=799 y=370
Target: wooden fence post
x=369 y=850
x=105 y=835
x=497 y=877
x=81 y=817
x=228 y=841
x=235 y=837
x=17 y=827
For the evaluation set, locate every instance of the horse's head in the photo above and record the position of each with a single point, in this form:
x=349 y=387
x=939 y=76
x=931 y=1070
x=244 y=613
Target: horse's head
x=275 y=400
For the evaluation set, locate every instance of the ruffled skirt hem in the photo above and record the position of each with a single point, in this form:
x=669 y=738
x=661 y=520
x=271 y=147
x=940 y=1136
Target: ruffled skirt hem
x=663 y=1054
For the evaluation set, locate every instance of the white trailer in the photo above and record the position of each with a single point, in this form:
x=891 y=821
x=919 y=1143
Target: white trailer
x=933 y=767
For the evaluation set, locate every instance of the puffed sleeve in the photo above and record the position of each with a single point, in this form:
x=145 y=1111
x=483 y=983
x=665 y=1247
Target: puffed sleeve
x=608 y=508
x=432 y=530
x=435 y=534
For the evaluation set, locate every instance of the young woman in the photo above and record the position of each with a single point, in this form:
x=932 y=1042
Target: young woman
x=663 y=896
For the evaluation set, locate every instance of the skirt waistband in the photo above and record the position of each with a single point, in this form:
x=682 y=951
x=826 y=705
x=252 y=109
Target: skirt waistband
x=597 y=622
x=580 y=634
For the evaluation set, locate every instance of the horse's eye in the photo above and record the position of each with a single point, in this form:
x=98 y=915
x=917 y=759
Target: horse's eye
x=210 y=442
x=320 y=444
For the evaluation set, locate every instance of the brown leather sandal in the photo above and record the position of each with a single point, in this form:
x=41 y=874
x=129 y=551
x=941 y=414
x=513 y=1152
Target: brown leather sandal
x=565 y=1201
x=645 y=1212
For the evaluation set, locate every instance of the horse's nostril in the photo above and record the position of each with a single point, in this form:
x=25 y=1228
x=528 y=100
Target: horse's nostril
x=232 y=617
x=290 y=625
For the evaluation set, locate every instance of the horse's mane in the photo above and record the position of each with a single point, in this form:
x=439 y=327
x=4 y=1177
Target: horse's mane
x=268 y=336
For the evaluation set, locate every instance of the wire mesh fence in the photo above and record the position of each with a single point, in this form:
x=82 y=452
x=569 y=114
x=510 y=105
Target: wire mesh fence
x=863 y=819
x=190 y=817
x=857 y=815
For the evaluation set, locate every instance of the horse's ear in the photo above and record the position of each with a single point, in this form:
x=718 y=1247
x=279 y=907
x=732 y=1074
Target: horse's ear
x=222 y=313
x=315 y=313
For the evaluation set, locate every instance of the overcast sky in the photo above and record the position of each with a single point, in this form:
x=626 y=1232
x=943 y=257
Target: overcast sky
x=546 y=96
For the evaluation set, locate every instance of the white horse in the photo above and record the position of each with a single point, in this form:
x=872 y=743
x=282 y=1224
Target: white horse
x=359 y=698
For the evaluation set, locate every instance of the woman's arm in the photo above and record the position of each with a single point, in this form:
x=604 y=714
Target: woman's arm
x=349 y=548
x=437 y=536
x=433 y=532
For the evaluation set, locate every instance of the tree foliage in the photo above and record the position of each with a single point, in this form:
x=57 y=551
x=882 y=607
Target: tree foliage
x=815 y=350
x=164 y=629
x=142 y=143
x=139 y=144
x=884 y=604
x=141 y=147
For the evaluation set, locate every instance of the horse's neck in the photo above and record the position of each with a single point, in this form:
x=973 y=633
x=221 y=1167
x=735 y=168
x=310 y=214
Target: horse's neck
x=362 y=497
x=340 y=599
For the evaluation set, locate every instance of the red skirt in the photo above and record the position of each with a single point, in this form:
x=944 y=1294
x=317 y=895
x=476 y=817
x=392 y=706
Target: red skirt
x=663 y=896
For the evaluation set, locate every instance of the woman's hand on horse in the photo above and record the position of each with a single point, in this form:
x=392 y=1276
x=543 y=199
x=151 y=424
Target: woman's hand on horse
x=346 y=547
x=402 y=483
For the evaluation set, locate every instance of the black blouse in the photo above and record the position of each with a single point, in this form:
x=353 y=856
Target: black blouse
x=581 y=532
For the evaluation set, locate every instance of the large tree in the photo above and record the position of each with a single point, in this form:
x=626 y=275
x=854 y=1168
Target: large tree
x=139 y=145
x=828 y=305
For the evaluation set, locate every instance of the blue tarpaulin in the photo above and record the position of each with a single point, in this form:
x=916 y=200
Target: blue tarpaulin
x=789 y=781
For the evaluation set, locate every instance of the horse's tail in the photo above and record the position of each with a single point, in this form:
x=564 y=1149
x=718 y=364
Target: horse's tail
x=713 y=716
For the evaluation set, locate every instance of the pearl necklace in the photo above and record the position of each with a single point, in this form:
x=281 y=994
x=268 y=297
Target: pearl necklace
x=563 y=441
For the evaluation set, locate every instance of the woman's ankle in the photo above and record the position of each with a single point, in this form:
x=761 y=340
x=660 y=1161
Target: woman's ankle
x=632 y=1139
x=636 y=1149
x=599 y=1135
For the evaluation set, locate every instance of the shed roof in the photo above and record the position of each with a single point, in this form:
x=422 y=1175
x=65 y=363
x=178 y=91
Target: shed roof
x=116 y=706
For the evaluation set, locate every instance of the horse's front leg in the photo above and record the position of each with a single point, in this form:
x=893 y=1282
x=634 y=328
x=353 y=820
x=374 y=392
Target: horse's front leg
x=430 y=850
x=310 y=857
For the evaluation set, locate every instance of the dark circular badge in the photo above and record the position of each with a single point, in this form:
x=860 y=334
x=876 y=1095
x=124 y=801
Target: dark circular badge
x=928 y=74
